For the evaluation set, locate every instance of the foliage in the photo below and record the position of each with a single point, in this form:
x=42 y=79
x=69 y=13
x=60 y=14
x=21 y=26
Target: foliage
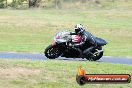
x=17 y=3
x=74 y=4
x=2 y=3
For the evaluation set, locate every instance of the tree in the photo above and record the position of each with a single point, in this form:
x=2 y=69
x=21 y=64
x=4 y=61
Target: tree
x=3 y=3
x=30 y=3
x=58 y=4
x=33 y=3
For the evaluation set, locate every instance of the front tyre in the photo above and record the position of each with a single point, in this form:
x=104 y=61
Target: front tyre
x=52 y=52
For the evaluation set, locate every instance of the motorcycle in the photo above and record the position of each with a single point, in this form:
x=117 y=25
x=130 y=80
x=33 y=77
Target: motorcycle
x=62 y=46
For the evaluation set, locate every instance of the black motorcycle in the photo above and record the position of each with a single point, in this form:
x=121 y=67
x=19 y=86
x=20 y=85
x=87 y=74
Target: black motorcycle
x=62 y=46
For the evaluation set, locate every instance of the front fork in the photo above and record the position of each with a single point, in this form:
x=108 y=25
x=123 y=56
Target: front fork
x=57 y=45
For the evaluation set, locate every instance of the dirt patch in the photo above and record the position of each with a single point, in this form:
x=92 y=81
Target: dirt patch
x=18 y=71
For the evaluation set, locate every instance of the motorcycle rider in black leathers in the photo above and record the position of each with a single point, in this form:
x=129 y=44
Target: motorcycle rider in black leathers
x=86 y=38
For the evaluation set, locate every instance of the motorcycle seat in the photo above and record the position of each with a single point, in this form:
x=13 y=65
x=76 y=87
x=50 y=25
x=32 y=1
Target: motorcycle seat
x=100 y=41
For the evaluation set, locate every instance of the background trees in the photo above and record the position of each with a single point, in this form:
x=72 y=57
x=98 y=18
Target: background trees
x=60 y=4
x=3 y=3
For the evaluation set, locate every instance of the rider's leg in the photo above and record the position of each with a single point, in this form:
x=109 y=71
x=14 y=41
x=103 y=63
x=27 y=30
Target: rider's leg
x=80 y=52
x=88 y=51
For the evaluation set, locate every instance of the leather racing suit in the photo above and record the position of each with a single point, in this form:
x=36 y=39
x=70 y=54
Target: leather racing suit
x=86 y=37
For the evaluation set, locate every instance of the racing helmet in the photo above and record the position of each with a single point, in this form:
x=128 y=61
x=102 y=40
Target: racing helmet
x=79 y=28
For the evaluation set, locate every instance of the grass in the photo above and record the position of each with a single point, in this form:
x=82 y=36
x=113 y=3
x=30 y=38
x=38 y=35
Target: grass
x=55 y=73
x=33 y=30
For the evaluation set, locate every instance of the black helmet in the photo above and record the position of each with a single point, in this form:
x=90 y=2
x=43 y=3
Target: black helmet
x=79 y=28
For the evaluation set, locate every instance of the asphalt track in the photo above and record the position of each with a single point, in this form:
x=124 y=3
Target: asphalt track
x=14 y=55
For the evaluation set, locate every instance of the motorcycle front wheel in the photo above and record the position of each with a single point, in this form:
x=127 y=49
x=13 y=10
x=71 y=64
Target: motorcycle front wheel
x=52 y=52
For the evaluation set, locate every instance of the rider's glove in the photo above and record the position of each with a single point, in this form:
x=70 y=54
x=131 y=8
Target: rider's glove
x=70 y=45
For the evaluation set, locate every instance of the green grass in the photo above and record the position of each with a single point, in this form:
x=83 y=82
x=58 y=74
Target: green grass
x=55 y=73
x=33 y=30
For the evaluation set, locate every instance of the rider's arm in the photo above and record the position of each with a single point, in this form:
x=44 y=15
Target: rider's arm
x=93 y=41
x=72 y=33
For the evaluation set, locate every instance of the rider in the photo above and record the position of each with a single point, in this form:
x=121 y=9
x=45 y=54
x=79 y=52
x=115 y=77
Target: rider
x=86 y=38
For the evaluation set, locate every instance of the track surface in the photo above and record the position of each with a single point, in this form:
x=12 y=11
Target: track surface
x=14 y=55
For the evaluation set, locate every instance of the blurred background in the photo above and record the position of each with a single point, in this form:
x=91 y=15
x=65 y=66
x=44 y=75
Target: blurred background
x=67 y=4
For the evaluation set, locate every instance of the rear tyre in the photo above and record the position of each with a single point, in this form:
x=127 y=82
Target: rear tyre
x=98 y=56
x=92 y=57
x=52 y=52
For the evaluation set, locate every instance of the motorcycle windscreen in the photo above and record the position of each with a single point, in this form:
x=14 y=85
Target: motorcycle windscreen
x=61 y=37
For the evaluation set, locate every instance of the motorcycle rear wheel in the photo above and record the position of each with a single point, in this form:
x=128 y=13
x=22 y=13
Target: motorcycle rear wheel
x=52 y=52
x=95 y=58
